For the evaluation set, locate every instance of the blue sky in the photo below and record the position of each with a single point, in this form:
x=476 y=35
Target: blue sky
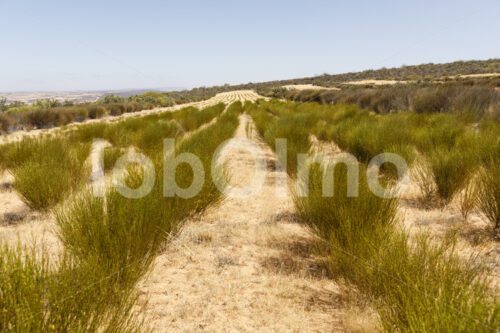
x=92 y=45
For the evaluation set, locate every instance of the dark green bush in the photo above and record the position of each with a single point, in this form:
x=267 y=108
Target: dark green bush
x=116 y=109
x=81 y=114
x=488 y=195
x=96 y=112
x=416 y=286
x=430 y=100
x=5 y=123
x=46 y=169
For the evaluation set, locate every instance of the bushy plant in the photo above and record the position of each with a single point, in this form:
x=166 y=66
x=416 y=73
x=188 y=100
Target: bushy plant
x=46 y=169
x=416 y=286
x=430 y=101
x=5 y=123
x=96 y=112
x=488 y=195
x=450 y=168
x=38 y=297
x=112 y=98
x=116 y=109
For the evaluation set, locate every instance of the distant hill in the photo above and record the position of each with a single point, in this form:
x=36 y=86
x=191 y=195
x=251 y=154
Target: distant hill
x=133 y=92
x=76 y=96
x=414 y=73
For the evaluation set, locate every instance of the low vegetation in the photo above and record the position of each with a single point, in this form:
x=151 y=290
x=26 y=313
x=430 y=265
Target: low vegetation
x=448 y=134
x=488 y=195
x=420 y=74
x=52 y=113
x=469 y=101
x=109 y=242
x=46 y=170
x=415 y=284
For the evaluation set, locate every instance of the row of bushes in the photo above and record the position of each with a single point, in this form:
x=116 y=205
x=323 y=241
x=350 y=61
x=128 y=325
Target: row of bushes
x=109 y=245
x=150 y=98
x=416 y=286
x=51 y=113
x=471 y=101
x=46 y=169
x=47 y=118
x=450 y=153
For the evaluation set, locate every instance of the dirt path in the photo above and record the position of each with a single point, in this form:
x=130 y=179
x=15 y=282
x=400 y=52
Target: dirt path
x=243 y=266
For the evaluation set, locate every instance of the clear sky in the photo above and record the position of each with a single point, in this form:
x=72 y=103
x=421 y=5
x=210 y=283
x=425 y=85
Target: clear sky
x=91 y=45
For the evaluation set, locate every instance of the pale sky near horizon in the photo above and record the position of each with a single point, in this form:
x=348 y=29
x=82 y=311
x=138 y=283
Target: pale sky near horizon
x=97 y=45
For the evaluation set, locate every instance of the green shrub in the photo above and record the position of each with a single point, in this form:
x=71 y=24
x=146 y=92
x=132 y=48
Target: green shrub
x=488 y=195
x=297 y=139
x=109 y=245
x=116 y=109
x=36 y=297
x=356 y=225
x=88 y=132
x=450 y=168
x=5 y=123
x=423 y=176
x=191 y=118
x=96 y=112
x=150 y=137
x=124 y=235
x=47 y=169
x=81 y=114
x=416 y=288
x=111 y=155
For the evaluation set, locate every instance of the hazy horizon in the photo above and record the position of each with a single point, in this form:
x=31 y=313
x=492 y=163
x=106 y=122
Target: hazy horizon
x=187 y=88
x=125 y=45
x=97 y=90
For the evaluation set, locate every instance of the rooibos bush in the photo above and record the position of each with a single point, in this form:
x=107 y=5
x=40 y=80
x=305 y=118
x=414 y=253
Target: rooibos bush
x=488 y=195
x=416 y=286
x=96 y=111
x=450 y=168
x=5 y=123
x=47 y=169
x=116 y=109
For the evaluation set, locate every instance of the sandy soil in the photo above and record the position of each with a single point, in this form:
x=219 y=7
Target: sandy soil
x=20 y=225
x=374 y=82
x=390 y=82
x=244 y=265
x=307 y=87
x=477 y=75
